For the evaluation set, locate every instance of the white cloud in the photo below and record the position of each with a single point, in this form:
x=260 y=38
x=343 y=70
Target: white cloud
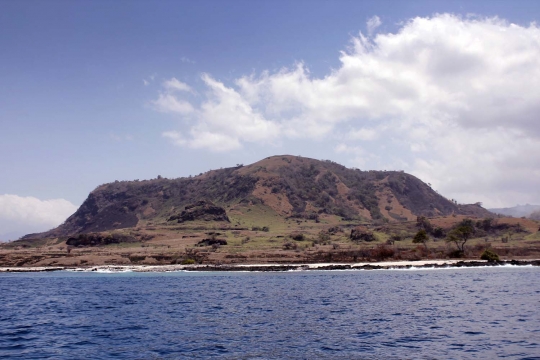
x=28 y=214
x=225 y=120
x=365 y=134
x=174 y=84
x=372 y=24
x=168 y=103
x=214 y=141
x=175 y=136
x=457 y=98
x=150 y=79
x=203 y=139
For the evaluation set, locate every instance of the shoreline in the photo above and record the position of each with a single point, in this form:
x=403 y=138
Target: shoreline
x=394 y=265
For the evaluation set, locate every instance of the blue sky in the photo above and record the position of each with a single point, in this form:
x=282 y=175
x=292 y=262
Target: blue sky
x=93 y=92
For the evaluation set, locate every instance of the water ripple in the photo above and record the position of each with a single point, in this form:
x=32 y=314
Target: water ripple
x=471 y=314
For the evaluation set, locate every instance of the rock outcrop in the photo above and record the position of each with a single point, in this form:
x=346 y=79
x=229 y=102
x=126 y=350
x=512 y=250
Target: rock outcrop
x=201 y=210
x=99 y=239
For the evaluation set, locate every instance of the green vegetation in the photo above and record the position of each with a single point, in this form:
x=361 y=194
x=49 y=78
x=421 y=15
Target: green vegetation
x=489 y=255
x=281 y=209
x=136 y=258
x=461 y=234
x=421 y=237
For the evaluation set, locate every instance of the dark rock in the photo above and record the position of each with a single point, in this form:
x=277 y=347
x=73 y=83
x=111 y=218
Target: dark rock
x=210 y=242
x=201 y=210
x=99 y=239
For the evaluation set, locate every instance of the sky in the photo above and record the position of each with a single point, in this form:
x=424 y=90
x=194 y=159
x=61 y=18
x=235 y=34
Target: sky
x=97 y=91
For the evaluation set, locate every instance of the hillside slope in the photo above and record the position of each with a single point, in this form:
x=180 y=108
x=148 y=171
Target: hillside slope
x=291 y=186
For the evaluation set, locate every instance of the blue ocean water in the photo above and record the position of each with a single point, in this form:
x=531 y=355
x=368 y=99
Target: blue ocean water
x=434 y=314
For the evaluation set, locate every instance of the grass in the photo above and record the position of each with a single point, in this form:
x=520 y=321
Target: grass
x=258 y=215
x=172 y=239
x=124 y=245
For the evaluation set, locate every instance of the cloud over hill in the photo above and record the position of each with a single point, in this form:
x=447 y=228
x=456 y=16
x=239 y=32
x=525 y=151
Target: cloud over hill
x=452 y=99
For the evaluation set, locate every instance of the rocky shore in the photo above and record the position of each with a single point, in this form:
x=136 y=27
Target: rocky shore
x=434 y=264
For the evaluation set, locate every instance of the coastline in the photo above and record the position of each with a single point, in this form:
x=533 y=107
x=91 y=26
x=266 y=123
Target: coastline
x=393 y=265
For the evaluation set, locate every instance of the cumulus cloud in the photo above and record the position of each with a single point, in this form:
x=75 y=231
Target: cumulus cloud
x=224 y=120
x=372 y=24
x=175 y=84
x=22 y=215
x=457 y=99
x=168 y=103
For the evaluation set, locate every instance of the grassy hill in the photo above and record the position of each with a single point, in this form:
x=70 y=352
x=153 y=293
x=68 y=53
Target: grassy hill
x=289 y=186
x=282 y=209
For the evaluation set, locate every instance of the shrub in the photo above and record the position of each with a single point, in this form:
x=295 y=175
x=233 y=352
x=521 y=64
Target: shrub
x=334 y=230
x=136 y=258
x=490 y=256
x=438 y=232
x=455 y=254
x=298 y=237
x=396 y=237
x=324 y=236
x=362 y=234
x=382 y=252
x=290 y=246
x=188 y=262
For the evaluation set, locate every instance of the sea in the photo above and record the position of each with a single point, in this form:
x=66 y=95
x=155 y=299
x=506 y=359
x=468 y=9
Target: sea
x=466 y=313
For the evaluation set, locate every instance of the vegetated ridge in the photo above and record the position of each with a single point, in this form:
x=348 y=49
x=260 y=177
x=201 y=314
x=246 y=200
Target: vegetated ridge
x=292 y=186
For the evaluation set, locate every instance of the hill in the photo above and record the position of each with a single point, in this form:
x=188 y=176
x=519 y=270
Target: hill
x=518 y=210
x=288 y=186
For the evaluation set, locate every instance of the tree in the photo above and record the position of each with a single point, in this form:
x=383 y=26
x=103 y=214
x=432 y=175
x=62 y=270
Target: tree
x=421 y=237
x=438 y=232
x=460 y=235
x=423 y=223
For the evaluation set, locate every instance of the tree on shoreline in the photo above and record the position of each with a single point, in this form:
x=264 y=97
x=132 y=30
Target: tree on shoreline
x=461 y=235
x=421 y=237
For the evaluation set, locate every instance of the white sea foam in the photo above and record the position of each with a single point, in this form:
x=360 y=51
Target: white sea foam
x=394 y=266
